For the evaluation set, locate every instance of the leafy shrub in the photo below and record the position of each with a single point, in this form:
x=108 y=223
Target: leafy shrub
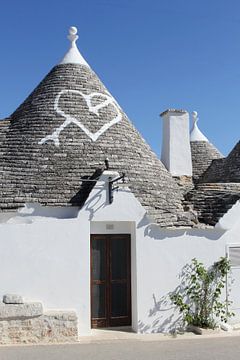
x=199 y=297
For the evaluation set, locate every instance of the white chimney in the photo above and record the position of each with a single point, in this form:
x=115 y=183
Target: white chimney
x=176 y=151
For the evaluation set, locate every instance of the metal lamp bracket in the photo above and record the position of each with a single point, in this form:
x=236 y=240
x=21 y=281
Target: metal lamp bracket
x=112 y=188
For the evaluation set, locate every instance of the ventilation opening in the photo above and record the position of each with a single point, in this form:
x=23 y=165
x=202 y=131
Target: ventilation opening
x=234 y=255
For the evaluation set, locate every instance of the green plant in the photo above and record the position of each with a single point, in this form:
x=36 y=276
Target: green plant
x=199 y=296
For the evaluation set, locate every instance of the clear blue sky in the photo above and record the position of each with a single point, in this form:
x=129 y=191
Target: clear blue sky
x=151 y=54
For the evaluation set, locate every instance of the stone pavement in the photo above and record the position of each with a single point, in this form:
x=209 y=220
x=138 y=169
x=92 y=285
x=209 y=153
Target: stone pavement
x=138 y=347
x=125 y=333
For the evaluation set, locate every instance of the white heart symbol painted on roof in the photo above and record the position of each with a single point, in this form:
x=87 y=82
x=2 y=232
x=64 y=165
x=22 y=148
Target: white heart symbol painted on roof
x=92 y=108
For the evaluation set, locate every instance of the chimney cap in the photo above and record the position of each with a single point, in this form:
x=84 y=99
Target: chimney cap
x=175 y=111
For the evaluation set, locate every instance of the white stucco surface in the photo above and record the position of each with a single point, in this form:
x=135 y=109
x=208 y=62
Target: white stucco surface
x=45 y=261
x=176 y=152
x=48 y=259
x=169 y=253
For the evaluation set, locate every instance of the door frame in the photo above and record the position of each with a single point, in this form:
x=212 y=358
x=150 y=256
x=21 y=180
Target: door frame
x=106 y=323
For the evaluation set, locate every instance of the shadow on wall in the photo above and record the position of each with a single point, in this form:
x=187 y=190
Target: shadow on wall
x=82 y=198
x=155 y=232
x=95 y=203
x=35 y=209
x=162 y=317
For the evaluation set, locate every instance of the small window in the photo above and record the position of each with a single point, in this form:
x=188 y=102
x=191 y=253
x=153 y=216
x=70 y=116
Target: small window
x=234 y=255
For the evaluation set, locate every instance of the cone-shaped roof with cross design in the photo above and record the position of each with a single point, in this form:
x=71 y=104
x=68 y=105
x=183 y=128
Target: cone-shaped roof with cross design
x=64 y=131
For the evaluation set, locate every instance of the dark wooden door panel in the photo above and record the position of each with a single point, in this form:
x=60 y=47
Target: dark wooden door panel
x=99 y=277
x=99 y=249
x=110 y=280
x=120 y=285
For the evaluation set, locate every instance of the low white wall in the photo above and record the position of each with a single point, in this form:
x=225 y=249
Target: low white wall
x=48 y=261
x=163 y=255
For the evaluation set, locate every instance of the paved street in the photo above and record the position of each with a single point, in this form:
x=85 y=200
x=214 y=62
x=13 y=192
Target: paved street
x=198 y=349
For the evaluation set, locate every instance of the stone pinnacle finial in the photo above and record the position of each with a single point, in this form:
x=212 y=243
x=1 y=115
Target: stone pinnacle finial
x=73 y=55
x=195 y=117
x=196 y=134
x=72 y=36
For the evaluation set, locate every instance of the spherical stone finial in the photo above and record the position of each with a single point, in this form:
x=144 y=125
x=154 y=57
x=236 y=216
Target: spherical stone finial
x=73 y=30
x=72 y=36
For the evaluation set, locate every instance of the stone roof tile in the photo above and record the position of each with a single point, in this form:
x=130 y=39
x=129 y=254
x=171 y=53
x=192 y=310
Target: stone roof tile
x=225 y=170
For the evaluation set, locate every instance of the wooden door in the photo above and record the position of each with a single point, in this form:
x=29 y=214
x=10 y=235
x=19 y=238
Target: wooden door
x=110 y=280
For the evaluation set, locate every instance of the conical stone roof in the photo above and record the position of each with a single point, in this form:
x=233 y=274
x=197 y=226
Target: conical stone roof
x=63 y=132
x=226 y=170
x=232 y=166
x=203 y=152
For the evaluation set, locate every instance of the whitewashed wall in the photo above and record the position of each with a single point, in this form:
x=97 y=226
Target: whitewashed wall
x=46 y=257
x=164 y=254
x=46 y=261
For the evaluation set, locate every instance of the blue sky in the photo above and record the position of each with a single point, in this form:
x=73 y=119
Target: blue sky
x=151 y=54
